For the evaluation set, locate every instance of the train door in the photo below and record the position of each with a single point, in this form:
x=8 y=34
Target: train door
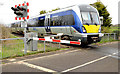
x=47 y=23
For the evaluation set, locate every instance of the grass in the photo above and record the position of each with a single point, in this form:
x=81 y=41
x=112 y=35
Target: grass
x=105 y=40
x=110 y=29
x=15 y=48
x=114 y=28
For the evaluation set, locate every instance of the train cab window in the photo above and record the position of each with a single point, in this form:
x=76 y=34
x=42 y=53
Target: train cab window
x=95 y=18
x=86 y=17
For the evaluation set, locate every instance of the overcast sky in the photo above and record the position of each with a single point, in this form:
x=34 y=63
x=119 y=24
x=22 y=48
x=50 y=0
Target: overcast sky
x=7 y=15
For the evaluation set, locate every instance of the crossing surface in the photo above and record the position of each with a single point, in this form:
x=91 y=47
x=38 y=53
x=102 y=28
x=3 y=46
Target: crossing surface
x=102 y=58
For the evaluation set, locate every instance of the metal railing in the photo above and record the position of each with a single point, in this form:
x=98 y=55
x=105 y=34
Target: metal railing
x=15 y=46
x=109 y=36
x=12 y=47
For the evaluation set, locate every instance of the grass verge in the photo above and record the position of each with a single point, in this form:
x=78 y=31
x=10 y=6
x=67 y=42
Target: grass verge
x=16 y=49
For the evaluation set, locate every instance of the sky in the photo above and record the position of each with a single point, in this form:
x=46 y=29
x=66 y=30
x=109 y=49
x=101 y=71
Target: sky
x=7 y=16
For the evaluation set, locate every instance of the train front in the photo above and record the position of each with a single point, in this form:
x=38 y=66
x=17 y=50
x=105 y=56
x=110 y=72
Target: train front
x=91 y=27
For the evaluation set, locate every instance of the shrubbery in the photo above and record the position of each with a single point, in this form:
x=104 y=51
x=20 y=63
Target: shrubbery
x=106 y=30
x=4 y=32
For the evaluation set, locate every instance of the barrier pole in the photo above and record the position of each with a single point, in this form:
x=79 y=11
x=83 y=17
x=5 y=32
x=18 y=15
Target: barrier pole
x=44 y=46
x=108 y=37
x=25 y=43
x=114 y=36
x=59 y=39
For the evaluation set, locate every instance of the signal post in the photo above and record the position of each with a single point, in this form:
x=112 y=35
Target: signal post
x=21 y=12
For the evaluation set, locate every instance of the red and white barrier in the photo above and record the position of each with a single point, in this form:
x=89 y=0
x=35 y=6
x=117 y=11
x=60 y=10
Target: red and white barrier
x=58 y=41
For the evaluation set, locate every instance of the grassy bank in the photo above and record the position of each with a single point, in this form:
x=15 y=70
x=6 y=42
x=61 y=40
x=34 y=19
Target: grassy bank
x=15 y=48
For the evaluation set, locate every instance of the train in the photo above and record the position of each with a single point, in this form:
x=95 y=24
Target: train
x=77 y=22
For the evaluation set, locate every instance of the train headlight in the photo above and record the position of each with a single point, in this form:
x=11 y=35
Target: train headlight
x=99 y=30
x=84 y=30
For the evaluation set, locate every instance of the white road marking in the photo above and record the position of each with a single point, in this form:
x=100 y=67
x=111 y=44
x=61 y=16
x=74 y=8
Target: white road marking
x=52 y=55
x=88 y=63
x=44 y=56
x=36 y=67
x=49 y=70
x=11 y=59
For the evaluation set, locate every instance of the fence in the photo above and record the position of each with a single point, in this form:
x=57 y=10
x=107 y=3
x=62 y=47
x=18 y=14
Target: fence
x=110 y=37
x=15 y=46
x=12 y=47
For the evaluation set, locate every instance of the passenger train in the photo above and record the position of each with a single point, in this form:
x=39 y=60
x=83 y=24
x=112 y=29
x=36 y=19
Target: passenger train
x=78 y=22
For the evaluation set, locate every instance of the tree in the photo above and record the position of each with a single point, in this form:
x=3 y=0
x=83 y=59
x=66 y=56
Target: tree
x=103 y=12
x=43 y=12
x=55 y=9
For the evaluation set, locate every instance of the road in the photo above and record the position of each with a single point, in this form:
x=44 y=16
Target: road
x=94 y=58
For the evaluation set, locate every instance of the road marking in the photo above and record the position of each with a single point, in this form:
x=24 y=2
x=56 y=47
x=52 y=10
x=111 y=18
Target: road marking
x=11 y=59
x=88 y=63
x=36 y=67
x=44 y=56
x=52 y=55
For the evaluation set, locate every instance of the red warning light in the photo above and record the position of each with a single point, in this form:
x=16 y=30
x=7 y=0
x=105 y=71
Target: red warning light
x=27 y=10
x=23 y=4
x=19 y=4
x=27 y=17
x=27 y=4
x=15 y=6
x=19 y=18
x=23 y=18
x=15 y=18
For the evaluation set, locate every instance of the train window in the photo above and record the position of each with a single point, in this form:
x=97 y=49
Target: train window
x=33 y=22
x=62 y=20
x=68 y=20
x=95 y=18
x=86 y=17
x=41 y=22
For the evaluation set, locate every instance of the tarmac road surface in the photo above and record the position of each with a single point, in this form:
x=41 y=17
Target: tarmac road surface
x=102 y=58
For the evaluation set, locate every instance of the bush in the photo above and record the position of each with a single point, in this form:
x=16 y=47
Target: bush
x=106 y=30
x=4 y=32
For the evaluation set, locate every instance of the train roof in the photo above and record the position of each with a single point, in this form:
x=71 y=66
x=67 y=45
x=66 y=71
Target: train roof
x=81 y=6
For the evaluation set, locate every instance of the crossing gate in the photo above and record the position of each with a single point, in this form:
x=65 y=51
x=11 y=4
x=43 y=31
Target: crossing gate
x=51 y=39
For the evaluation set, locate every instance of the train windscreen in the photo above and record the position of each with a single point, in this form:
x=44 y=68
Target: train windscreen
x=90 y=18
x=89 y=15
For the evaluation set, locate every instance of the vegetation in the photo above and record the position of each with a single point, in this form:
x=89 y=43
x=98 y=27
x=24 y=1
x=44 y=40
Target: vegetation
x=44 y=11
x=16 y=49
x=5 y=32
x=55 y=9
x=103 y=12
